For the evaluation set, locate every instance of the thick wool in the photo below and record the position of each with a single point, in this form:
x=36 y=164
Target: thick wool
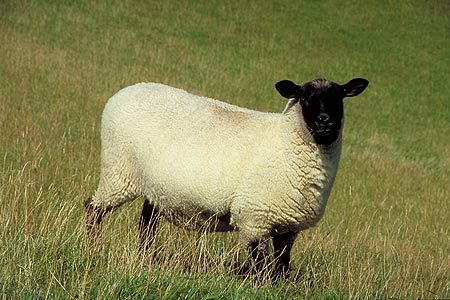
x=201 y=161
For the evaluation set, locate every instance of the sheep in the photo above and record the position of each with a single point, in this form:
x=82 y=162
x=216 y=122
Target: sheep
x=208 y=165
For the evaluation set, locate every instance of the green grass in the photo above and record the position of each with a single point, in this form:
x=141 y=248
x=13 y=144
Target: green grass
x=385 y=234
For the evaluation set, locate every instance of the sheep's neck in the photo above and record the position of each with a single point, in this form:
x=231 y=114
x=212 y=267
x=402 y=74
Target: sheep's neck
x=313 y=171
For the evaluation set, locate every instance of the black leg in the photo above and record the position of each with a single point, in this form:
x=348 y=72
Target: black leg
x=260 y=255
x=93 y=218
x=282 y=246
x=147 y=225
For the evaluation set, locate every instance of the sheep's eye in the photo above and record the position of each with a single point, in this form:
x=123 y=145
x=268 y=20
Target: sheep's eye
x=304 y=101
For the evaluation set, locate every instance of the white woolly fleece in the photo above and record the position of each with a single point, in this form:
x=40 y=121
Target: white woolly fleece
x=198 y=160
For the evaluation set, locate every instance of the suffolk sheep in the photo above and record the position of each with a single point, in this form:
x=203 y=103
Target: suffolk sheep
x=207 y=165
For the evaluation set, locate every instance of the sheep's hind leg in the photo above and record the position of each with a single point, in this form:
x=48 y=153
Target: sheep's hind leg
x=260 y=254
x=112 y=192
x=147 y=225
x=282 y=246
x=93 y=217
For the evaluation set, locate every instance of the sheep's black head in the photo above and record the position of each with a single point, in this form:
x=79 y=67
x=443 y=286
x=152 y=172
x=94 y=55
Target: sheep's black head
x=322 y=104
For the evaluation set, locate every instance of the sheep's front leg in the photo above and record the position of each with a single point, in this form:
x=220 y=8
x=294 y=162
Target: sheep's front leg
x=282 y=246
x=147 y=225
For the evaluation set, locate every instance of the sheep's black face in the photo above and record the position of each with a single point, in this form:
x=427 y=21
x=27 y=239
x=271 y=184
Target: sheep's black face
x=322 y=104
x=323 y=108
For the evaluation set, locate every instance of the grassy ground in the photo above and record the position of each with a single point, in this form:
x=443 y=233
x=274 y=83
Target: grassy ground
x=385 y=234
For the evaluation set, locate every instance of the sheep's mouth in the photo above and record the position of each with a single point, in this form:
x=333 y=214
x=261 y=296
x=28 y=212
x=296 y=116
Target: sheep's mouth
x=323 y=132
x=325 y=135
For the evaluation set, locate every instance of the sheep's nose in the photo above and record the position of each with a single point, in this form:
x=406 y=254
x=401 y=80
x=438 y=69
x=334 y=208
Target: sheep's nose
x=323 y=118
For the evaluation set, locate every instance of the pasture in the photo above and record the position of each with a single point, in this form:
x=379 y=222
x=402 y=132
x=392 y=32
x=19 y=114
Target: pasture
x=386 y=230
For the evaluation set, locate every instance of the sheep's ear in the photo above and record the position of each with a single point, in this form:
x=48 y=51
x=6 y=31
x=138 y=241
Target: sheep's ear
x=355 y=87
x=288 y=89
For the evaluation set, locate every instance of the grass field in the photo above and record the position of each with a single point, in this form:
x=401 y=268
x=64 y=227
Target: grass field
x=386 y=231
